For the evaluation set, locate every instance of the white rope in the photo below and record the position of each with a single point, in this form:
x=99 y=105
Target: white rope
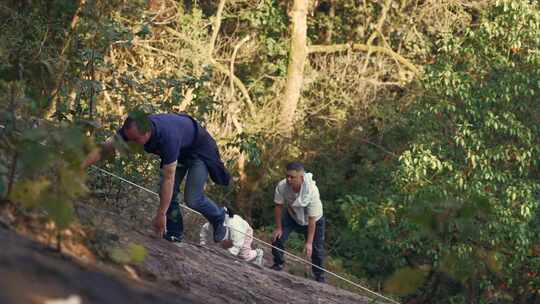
x=258 y=240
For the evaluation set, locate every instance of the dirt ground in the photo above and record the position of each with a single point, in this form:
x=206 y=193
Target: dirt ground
x=188 y=273
x=33 y=273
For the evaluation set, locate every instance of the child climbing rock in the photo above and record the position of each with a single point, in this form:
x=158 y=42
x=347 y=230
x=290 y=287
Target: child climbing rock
x=238 y=238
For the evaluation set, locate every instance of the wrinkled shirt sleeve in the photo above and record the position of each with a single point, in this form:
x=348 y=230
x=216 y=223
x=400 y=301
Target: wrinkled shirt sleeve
x=314 y=207
x=169 y=149
x=278 y=195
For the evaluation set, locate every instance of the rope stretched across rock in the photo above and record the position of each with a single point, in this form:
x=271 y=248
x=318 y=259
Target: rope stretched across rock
x=297 y=258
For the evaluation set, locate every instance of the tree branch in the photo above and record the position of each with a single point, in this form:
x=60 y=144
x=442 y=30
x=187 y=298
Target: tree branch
x=377 y=31
x=233 y=58
x=380 y=22
x=363 y=47
x=223 y=69
x=216 y=27
x=380 y=147
x=235 y=122
x=220 y=67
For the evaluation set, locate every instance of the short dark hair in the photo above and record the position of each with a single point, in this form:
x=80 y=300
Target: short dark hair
x=140 y=120
x=128 y=123
x=295 y=166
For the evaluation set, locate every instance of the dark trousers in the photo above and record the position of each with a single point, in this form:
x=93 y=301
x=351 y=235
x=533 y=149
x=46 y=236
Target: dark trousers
x=197 y=175
x=288 y=225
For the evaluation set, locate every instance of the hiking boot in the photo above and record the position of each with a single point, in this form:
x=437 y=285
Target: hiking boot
x=277 y=267
x=220 y=230
x=320 y=279
x=259 y=257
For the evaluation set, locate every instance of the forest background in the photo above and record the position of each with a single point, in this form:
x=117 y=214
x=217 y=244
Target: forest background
x=418 y=118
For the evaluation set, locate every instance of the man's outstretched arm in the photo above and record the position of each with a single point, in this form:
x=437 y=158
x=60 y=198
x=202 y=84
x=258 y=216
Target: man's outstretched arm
x=95 y=155
x=165 y=196
x=308 y=249
x=278 y=211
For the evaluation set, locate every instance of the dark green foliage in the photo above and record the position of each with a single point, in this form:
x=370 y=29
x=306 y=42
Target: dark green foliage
x=271 y=21
x=465 y=194
x=249 y=145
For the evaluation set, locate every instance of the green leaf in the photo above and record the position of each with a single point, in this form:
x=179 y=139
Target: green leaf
x=29 y=192
x=34 y=157
x=405 y=281
x=72 y=183
x=59 y=210
x=457 y=268
x=119 y=256
x=424 y=217
x=137 y=253
x=72 y=138
x=133 y=253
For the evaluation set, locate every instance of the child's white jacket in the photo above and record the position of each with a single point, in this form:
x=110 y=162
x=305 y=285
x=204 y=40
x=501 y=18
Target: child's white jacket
x=237 y=228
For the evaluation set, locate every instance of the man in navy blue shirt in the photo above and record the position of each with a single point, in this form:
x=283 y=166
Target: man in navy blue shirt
x=185 y=148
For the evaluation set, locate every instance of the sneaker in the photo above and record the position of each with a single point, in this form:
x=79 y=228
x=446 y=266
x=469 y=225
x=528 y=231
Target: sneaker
x=277 y=267
x=172 y=238
x=259 y=257
x=320 y=279
x=219 y=229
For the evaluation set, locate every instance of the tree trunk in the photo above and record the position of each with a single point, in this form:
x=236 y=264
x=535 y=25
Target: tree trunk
x=54 y=99
x=330 y=29
x=295 y=70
